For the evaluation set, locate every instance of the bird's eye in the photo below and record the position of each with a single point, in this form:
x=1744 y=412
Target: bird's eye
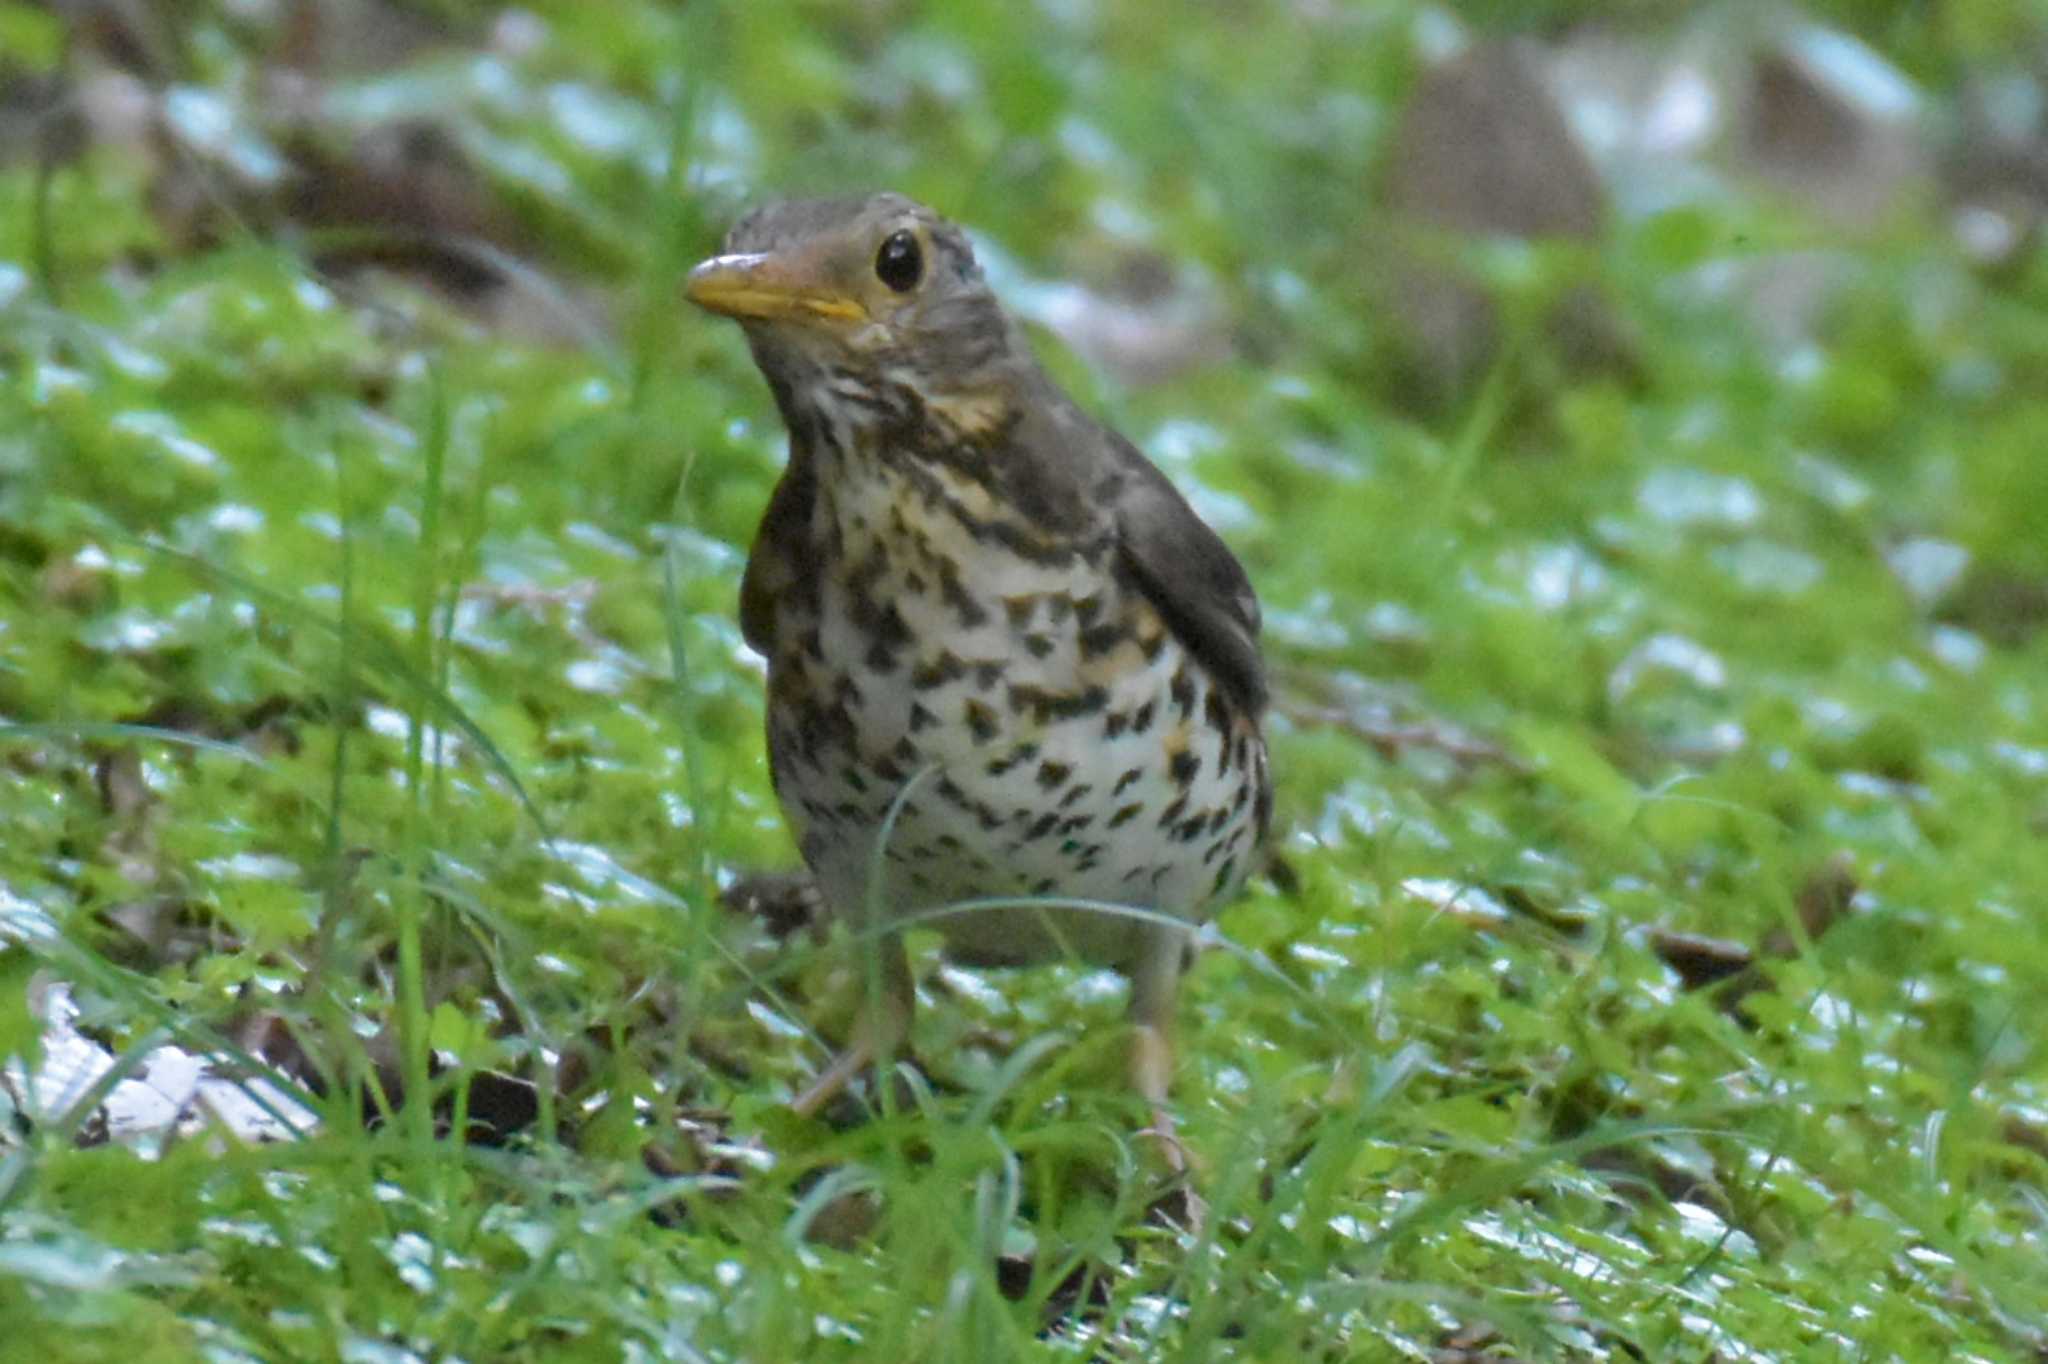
x=900 y=263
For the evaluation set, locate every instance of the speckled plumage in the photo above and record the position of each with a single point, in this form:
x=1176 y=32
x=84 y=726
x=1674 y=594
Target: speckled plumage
x=1075 y=747
x=965 y=582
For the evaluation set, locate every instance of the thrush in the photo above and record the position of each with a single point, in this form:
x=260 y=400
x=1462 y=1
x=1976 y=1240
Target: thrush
x=1009 y=667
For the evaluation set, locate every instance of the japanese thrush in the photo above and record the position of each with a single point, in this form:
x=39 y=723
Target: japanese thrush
x=1006 y=660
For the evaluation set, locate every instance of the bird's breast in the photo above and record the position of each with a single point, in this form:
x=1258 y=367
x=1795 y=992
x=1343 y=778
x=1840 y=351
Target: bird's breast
x=1024 y=708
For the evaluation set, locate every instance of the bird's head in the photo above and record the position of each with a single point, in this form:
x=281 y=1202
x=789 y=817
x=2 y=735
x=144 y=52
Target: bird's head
x=878 y=291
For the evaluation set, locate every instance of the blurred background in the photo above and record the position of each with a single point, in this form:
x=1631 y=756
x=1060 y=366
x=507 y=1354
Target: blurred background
x=1633 y=418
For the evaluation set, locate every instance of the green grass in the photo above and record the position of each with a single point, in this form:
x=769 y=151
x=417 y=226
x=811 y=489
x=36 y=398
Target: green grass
x=424 y=640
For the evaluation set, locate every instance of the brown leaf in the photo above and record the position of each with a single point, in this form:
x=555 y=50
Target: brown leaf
x=1698 y=959
x=1828 y=894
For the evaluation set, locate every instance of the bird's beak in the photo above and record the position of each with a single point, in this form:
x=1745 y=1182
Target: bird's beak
x=771 y=285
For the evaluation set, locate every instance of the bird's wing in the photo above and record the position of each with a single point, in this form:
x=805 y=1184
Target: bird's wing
x=781 y=553
x=1189 y=575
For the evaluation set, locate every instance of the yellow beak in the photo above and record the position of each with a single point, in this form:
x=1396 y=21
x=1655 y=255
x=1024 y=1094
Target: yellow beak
x=768 y=285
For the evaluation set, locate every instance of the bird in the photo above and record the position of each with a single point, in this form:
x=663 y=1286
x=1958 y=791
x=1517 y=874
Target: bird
x=1009 y=667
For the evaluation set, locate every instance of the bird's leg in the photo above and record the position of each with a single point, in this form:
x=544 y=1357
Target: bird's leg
x=1155 y=985
x=882 y=1030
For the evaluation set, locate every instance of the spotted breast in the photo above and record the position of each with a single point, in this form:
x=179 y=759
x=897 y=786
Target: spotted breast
x=1058 y=739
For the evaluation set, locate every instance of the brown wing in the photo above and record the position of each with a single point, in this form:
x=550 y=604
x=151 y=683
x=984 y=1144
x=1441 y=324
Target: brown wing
x=777 y=565
x=1189 y=575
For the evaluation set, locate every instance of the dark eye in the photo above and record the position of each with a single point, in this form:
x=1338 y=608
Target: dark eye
x=900 y=262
